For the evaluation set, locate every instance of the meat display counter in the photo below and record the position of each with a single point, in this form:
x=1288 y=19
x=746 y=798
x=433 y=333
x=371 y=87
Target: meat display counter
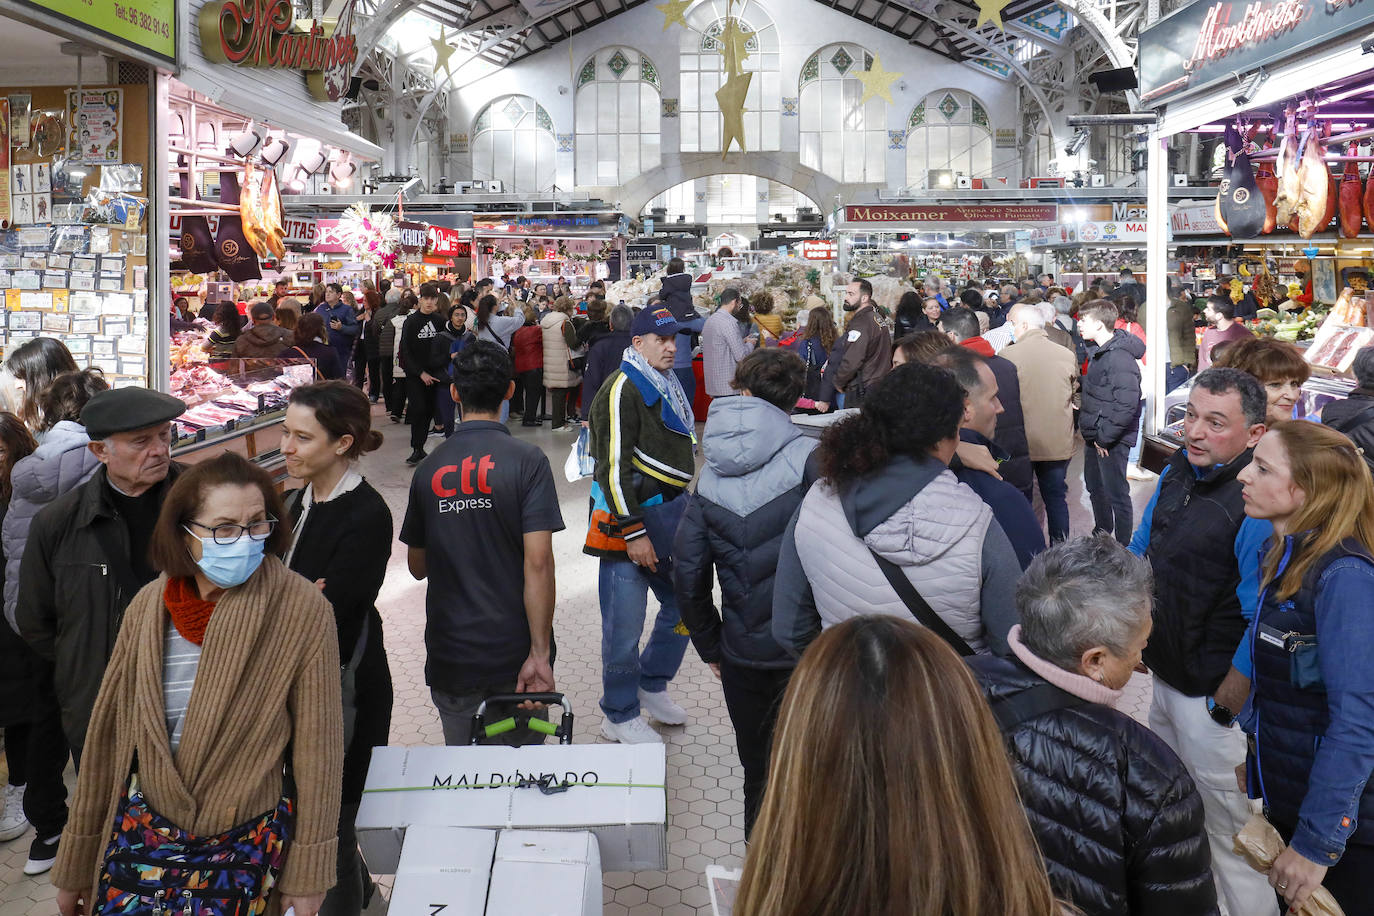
x=236 y=405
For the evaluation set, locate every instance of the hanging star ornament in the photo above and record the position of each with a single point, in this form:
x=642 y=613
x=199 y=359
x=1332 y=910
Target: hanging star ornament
x=730 y=98
x=877 y=82
x=674 y=12
x=442 y=51
x=991 y=11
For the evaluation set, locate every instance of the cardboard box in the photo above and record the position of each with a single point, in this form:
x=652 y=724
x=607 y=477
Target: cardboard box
x=545 y=873
x=443 y=869
x=618 y=794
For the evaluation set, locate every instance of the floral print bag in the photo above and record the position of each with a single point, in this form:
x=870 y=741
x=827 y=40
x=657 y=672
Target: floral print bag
x=154 y=868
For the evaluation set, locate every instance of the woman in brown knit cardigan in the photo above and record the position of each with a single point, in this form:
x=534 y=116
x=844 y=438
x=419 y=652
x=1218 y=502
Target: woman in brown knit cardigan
x=263 y=659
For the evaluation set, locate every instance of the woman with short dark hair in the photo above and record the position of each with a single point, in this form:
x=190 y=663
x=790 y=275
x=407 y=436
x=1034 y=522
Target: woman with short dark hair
x=228 y=325
x=258 y=645
x=341 y=540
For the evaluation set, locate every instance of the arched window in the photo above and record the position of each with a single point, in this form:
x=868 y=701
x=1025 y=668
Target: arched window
x=840 y=137
x=617 y=117
x=513 y=142
x=948 y=130
x=702 y=72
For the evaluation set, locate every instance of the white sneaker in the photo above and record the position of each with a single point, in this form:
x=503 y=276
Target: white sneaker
x=661 y=708
x=1136 y=472
x=13 y=823
x=635 y=731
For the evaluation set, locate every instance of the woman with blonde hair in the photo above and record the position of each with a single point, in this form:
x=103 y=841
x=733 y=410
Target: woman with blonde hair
x=889 y=789
x=769 y=324
x=1311 y=706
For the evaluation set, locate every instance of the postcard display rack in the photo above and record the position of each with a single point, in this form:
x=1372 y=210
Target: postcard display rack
x=74 y=242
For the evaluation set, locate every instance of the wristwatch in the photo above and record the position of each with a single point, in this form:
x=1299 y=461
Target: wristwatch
x=1220 y=714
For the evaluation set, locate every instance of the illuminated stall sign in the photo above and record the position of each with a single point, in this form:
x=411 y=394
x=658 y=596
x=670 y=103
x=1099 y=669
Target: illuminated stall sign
x=265 y=33
x=815 y=250
x=1205 y=43
x=446 y=243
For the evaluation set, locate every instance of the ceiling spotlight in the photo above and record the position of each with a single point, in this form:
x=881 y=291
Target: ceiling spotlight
x=316 y=161
x=341 y=173
x=1249 y=87
x=243 y=144
x=297 y=183
x=275 y=151
x=412 y=188
x=1080 y=138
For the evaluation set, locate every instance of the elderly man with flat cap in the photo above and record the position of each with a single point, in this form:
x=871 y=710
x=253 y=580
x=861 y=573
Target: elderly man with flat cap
x=87 y=553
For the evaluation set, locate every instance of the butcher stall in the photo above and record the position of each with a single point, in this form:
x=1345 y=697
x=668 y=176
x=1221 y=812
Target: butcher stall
x=1284 y=94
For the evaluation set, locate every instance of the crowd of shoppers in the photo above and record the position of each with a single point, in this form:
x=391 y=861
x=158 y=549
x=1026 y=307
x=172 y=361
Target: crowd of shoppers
x=921 y=682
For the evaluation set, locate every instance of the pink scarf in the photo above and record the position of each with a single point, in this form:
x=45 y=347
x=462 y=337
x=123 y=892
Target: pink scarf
x=1079 y=685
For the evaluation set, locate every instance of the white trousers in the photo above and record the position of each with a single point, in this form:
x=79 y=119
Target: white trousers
x=1211 y=753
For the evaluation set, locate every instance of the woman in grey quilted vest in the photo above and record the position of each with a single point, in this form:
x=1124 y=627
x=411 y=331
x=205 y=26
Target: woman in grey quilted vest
x=886 y=491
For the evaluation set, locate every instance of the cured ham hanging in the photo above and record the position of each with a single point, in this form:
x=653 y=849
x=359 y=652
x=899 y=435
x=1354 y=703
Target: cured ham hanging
x=1351 y=197
x=1314 y=183
x=1286 y=170
x=1242 y=205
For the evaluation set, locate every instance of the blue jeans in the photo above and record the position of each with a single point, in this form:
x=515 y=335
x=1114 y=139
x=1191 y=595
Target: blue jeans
x=625 y=670
x=1051 y=476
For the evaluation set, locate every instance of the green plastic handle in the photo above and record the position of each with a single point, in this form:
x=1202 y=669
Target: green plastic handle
x=498 y=728
x=539 y=725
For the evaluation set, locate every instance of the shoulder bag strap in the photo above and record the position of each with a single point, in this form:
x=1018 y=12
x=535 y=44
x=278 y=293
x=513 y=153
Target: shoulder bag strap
x=1011 y=711
x=917 y=605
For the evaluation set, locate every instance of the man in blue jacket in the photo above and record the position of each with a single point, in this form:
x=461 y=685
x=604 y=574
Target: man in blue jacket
x=1195 y=532
x=341 y=321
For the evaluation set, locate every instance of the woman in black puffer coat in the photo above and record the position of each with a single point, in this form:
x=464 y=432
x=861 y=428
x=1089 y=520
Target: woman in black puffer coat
x=1117 y=816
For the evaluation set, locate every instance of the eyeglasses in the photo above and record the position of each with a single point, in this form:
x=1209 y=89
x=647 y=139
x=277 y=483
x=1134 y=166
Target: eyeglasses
x=228 y=534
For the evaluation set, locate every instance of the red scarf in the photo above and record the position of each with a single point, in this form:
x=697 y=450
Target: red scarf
x=190 y=613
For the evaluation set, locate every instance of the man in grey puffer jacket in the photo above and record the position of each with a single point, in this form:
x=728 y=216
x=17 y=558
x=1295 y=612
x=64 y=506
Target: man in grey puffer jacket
x=909 y=509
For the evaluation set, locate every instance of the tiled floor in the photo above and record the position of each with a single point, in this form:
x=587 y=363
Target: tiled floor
x=705 y=800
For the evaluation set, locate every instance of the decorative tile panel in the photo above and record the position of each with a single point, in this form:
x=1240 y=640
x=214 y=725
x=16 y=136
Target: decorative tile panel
x=811 y=70
x=668 y=107
x=565 y=143
x=980 y=115
x=896 y=139
x=542 y=119
x=513 y=111
x=588 y=73
x=618 y=64
x=791 y=106
x=949 y=106
x=648 y=72
x=841 y=60
x=918 y=116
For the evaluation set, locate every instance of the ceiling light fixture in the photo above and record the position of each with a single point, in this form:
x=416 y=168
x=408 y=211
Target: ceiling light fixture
x=243 y=144
x=275 y=151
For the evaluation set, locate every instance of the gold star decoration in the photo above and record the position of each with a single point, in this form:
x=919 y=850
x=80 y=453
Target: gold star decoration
x=734 y=45
x=730 y=98
x=877 y=82
x=442 y=51
x=674 y=12
x=991 y=11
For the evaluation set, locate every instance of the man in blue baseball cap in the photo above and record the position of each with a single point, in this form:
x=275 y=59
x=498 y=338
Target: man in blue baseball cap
x=643 y=436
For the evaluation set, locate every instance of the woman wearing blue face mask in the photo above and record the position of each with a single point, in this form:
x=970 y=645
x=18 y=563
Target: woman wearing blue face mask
x=246 y=779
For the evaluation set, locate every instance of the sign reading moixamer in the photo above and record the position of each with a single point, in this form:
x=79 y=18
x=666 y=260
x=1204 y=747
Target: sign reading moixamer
x=952 y=213
x=265 y=33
